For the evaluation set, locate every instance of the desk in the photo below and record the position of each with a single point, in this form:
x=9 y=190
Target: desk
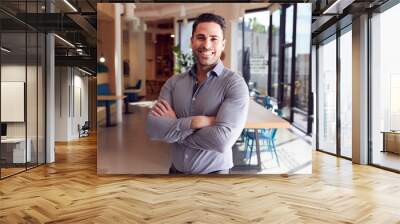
x=259 y=118
x=107 y=100
x=15 y=148
x=132 y=91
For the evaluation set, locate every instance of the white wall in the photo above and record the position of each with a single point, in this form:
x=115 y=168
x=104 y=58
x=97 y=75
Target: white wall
x=71 y=103
x=137 y=58
x=15 y=72
x=61 y=103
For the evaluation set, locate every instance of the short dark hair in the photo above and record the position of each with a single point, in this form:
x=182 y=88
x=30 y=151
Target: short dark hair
x=209 y=17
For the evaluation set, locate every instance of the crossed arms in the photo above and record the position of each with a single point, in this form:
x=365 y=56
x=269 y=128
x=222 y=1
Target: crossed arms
x=201 y=132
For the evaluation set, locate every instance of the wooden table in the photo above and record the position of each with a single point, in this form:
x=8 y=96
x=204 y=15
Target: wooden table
x=261 y=118
x=107 y=100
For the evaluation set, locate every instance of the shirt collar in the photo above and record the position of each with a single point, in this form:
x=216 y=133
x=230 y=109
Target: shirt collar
x=217 y=70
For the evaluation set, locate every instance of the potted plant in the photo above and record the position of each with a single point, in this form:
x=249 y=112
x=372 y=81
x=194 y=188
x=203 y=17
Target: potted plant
x=183 y=62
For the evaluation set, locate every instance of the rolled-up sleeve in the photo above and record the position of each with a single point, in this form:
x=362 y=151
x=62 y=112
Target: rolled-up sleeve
x=230 y=121
x=168 y=129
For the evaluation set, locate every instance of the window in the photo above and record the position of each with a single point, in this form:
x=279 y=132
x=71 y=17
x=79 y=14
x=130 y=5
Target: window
x=276 y=18
x=256 y=48
x=287 y=68
x=184 y=36
x=346 y=93
x=385 y=87
x=302 y=88
x=327 y=96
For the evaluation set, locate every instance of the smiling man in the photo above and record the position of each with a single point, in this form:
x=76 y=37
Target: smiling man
x=202 y=112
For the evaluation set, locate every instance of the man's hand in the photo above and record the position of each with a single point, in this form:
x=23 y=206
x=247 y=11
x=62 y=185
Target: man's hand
x=202 y=122
x=163 y=109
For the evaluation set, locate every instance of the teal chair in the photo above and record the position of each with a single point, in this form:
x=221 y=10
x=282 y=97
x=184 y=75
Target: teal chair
x=278 y=112
x=267 y=139
x=265 y=101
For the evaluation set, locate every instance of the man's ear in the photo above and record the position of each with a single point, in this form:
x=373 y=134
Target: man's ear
x=223 y=44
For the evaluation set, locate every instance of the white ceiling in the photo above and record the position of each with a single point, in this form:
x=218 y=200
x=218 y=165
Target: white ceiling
x=153 y=11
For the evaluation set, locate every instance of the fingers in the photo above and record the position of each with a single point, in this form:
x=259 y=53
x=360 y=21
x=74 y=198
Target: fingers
x=166 y=104
x=155 y=112
x=161 y=106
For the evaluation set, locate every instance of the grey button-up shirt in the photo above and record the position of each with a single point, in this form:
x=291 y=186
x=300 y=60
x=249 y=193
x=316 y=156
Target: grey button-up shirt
x=224 y=95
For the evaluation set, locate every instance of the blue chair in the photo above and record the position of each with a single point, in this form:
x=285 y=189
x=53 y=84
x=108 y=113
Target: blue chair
x=267 y=138
x=265 y=101
x=138 y=85
x=133 y=97
x=103 y=89
x=278 y=112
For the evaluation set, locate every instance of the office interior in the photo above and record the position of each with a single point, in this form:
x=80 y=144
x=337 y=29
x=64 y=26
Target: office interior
x=38 y=107
x=342 y=102
x=74 y=86
x=156 y=46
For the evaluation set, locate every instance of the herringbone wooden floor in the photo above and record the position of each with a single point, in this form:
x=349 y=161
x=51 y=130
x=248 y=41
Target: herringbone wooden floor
x=69 y=191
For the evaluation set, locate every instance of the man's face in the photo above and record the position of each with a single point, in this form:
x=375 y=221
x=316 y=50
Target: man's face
x=207 y=43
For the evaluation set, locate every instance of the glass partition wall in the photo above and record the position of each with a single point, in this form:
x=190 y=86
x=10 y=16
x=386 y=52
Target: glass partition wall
x=22 y=92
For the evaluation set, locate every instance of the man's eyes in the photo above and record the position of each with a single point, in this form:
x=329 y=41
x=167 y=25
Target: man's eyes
x=212 y=38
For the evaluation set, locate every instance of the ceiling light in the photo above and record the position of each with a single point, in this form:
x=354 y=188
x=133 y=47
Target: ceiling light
x=5 y=50
x=65 y=41
x=78 y=50
x=70 y=5
x=86 y=72
x=102 y=59
x=337 y=7
x=172 y=36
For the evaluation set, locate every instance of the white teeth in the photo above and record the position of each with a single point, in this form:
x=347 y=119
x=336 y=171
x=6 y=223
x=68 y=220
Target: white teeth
x=206 y=53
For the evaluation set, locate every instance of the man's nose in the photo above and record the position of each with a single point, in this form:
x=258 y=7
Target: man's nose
x=207 y=43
